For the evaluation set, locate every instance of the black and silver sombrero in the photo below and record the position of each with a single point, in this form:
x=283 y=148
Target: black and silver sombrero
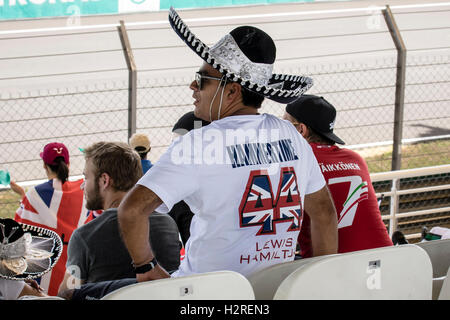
x=245 y=55
x=27 y=252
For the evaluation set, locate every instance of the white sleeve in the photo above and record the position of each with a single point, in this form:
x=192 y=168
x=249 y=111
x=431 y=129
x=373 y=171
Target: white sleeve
x=316 y=179
x=10 y=289
x=173 y=177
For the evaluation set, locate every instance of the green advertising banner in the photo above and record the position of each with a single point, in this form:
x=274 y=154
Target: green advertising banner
x=21 y=9
x=25 y=9
x=178 y=4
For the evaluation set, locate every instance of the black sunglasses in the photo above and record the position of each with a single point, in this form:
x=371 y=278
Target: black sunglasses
x=199 y=77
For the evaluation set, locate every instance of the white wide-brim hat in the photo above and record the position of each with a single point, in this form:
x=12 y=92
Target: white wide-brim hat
x=26 y=251
x=246 y=55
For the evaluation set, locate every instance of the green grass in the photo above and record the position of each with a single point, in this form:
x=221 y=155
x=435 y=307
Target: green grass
x=425 y=154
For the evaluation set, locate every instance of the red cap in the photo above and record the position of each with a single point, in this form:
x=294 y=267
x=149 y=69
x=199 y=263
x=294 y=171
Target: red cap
x=54 y=150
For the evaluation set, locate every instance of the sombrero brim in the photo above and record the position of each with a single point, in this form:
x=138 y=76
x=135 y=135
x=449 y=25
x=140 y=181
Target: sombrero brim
x=280 y=88
x=43 y=240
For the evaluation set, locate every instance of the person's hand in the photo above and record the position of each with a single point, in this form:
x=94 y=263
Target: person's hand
x=17 y=189
x=32 y=288
x=156 y=273
x=33 y=283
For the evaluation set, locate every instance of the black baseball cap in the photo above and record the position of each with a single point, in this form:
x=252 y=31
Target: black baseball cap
x=187 y=121
x=317 y=113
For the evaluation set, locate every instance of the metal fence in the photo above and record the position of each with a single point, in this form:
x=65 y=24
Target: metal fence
x=76 y=86
x=414 y=199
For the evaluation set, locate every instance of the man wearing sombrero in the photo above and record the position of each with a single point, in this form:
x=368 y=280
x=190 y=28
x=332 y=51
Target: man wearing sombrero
x=246 y=176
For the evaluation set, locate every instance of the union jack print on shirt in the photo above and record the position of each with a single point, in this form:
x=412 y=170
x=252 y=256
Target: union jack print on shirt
x=259 y=208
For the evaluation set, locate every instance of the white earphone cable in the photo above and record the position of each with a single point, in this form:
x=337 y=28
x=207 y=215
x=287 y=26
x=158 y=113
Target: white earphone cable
x=212 y=100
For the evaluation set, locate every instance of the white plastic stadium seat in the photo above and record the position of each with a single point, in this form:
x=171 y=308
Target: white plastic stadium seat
x=445 y=290
x=390 y=273
x=439 y=253
x=40 y=298
x=266 y=282
x=219 y=285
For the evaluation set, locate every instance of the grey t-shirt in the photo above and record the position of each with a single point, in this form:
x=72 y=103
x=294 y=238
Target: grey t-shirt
x=96 y=251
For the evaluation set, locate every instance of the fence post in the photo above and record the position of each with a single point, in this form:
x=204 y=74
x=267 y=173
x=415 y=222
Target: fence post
x=132 y=78
x=399 y=87
x=393 y=206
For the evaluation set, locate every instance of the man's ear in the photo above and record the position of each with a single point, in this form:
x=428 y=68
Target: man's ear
x=104 y=181
x=303 y=130
x=234 y=91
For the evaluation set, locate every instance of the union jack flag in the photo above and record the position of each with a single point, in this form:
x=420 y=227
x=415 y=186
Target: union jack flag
x=92 y=214
x=58 y=207
x=257 y=203
x=258 y=206
x=288 y=200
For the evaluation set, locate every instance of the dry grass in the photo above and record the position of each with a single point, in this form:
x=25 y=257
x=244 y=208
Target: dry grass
x=425 y=154
x=9 y=202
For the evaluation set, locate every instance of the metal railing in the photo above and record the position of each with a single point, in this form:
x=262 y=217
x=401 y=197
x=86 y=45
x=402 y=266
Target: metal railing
x=395 y=193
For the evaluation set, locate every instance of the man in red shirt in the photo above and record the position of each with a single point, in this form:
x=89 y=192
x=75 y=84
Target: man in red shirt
x=346 y=173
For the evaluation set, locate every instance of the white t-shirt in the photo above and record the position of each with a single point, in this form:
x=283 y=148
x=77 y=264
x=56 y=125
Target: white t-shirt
x=245 y=179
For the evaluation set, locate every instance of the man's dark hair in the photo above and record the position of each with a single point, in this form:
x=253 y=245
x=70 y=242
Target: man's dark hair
x=141 y=151
x=251 y=99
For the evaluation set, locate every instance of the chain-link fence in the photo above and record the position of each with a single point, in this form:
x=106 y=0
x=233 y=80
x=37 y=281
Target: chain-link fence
x=364 y=97
x=354 y=68
x=76 y=119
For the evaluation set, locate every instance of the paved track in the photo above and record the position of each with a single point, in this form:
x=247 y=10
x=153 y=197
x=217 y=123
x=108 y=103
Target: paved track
x=344 y=46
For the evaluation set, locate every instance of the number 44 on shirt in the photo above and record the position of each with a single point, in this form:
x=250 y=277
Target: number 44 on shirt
x=259 y=207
